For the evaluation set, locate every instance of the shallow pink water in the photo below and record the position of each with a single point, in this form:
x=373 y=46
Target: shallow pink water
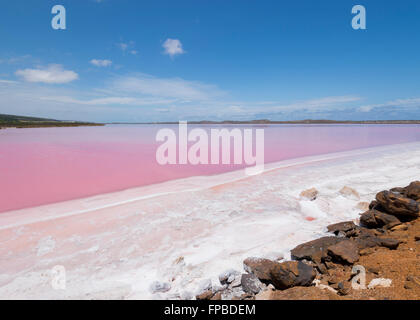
x=46 y=165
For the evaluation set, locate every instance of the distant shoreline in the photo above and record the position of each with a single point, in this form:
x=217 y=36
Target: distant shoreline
x=282 y=122
x=48 y=125
x=13 y=121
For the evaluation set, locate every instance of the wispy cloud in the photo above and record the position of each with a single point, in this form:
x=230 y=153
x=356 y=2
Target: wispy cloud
x=402 y=104
x=127 y=47
x=165 y=87
x=109 y=101
x=101 y=63
x=53 y=74
x=8 y=81
x=173 y=47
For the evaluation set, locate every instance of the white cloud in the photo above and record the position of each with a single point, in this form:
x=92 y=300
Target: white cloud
x=406 y=104
x=173 y=47
x=101 y=63
x=8 y=81
x=165 y=87
x=124 y=46
x=54 y=73
x=133 y=101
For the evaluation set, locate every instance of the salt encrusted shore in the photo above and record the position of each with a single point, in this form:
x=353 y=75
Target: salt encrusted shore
x=379 y=258
x=172 y=240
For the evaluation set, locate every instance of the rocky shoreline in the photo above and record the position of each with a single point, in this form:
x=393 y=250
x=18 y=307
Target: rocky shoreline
x=377 y=258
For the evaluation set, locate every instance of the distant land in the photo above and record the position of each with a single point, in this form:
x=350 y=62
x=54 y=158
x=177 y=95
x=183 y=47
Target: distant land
x=13 y=121
x=264 y=121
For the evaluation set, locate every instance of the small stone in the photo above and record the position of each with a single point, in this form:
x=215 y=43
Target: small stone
x=364 y=206
x=309 y=194
x=343 y=288
x=206 y=295
x=217 y=296
x=251 y=284
x=235 y=283
x=157 y=286
x=349 y=193
x=228 y=276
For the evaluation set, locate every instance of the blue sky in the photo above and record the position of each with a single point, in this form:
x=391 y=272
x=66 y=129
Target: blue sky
x=126 y=60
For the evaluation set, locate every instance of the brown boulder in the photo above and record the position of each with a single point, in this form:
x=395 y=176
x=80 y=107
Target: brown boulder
x=315 y=250
x=368 y=239
x=281 y=275
x=396 y=204
x=413 y=190
x=377 y=219
x=260 y=267
x=344 y=251
x=291 y=274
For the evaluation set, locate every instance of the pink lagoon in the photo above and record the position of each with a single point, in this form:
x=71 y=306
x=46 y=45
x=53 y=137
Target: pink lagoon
x=46 y=165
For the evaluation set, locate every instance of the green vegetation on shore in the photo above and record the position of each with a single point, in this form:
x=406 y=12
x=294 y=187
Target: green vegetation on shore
x=13 y=121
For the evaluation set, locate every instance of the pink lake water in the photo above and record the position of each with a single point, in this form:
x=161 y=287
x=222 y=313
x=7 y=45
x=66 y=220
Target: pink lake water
x=47 y=165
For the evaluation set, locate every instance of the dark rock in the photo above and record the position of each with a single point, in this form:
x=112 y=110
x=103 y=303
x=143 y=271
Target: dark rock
x=377 y=219
x=344 y=251
x=399 y=190
x=250 y=284
x=341 y=227
x=369 y=240
x=343 y=288
x=373 y=204
x=282 y=275
x=315 y=250
x=398 y=205
x=260 y=267
x=292 y=273
x=389 y=243
x=413 y=190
